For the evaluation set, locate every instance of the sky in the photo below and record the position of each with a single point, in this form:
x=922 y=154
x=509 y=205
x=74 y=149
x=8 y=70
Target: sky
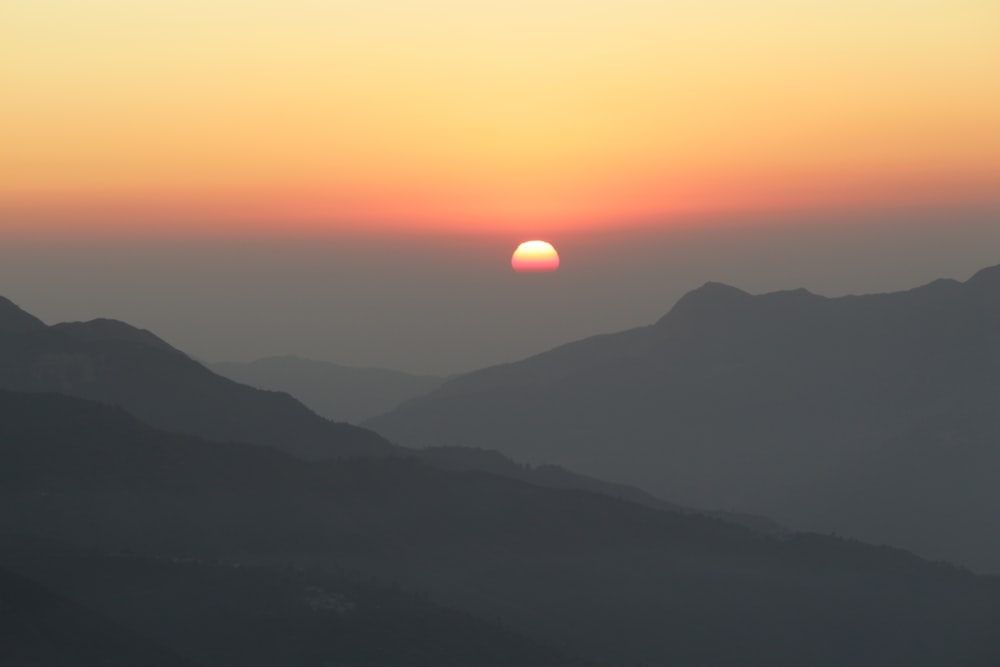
x=347 y=179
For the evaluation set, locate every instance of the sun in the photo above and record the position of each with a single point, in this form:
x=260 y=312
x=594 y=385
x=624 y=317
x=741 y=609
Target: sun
x=535 y=256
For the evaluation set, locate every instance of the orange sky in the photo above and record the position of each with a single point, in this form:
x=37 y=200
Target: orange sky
x=488 y=115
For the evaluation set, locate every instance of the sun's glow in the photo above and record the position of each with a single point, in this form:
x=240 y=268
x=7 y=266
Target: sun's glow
x=535 y=256
x=187 y=117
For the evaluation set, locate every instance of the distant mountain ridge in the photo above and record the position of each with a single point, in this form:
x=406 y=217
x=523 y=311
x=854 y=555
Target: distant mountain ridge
x=764 y=404
x=340 y=393
x=116 y=363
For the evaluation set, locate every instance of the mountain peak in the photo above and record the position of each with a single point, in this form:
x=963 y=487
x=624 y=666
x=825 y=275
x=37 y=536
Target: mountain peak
x=710 y=298
x=986 y=278
x=13 y=318
x=112 y=330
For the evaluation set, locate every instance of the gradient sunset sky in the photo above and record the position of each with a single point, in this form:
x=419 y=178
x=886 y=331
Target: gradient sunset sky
x=136 y=128
x=489 y=114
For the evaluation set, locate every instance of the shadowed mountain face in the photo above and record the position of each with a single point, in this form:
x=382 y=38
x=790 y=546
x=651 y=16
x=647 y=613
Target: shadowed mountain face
x=227 y=615
x=775 y=404
x=340 y=393
x=932 y=487
x=115 y=363
x=41 y=629
x=467 y=459
x=598 y=576
x=13 y=319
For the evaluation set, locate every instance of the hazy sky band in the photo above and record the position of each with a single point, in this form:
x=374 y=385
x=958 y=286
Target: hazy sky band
x=489 y=115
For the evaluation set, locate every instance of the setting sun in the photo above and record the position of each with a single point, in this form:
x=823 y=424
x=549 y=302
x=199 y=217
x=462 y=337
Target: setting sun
x=535 y=256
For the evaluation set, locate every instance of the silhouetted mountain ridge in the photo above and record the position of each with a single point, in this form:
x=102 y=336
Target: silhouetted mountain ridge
x=12 y=318
x=116 y=363
x=709 y=299
x=108 y=330
x=759 y=404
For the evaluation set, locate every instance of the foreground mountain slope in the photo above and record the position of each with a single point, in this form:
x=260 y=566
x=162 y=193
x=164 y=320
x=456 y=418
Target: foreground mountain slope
x=226 y=615
x=340 y=393
x=754 y=403
x=116 y=363
x=41 y=629
x=595 y=575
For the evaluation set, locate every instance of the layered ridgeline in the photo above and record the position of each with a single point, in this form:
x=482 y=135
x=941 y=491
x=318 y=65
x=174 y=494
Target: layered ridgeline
x=874 y=416
x=340 y=393
x=115 y=363
x=214 y=527
x=350 y=393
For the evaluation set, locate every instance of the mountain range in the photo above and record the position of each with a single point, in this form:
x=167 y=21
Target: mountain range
x=188 y=533
x=116 y=363
x=113 y=362
x=829 y=414
x=154 y=512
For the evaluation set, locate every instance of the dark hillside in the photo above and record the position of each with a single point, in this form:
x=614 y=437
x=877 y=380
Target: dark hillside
x=597 y=576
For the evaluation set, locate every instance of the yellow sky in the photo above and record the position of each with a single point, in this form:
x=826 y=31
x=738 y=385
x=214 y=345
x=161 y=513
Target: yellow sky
x=488 y=112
